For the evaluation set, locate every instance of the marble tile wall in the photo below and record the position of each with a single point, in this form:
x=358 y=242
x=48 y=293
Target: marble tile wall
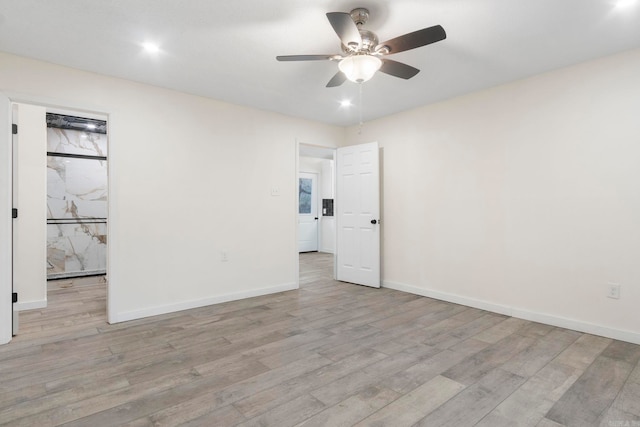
x=76 y=142
x=76 y=204
x=76 y=249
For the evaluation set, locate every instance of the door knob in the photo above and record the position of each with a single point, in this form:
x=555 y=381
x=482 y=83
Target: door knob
x=316 y=218
x=374 y=222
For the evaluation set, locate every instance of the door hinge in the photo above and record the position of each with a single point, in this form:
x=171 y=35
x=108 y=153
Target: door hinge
x=14 y=129
x=14 y=213
x=14 y=297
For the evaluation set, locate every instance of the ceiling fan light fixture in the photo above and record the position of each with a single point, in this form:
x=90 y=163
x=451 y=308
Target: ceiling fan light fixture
x=360 y=68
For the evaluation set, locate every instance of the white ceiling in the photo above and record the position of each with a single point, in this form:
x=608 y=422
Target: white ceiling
x=226 y=49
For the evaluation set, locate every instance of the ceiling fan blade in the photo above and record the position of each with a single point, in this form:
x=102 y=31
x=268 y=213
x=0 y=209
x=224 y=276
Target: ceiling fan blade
x=413 y=40
x=337 y=80
x=345 y=28
x=398 y=69
x=305 y=57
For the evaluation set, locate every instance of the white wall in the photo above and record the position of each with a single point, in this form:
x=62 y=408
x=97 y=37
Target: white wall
x=523 y=199
x=328 y=222
x=30 y=197
x=310 y=165
x=189 y=177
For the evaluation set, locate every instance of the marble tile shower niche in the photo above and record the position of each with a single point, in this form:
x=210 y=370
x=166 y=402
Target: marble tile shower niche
x=76 y=196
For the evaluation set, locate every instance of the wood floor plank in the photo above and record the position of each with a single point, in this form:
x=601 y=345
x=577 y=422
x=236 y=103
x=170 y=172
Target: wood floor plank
x=445 y=338
x=14 y=397
x=374 y=374
x=536 y=330
x=215 y=397
x=290 y=355
x=526 y=406
x=529 y=404
x=545 y=422
x=583 y=351
x=587 y=399
x=502 y=330
x=628 y=400
x=288 y=414
x=51 y=402
x=477 y=365
x=546 y=348
x=353 y=409
x=225 y=416
x=124 y=406
x=261 y=402
x=34 y=365
x=415 y=405
x=475 y=402
x=420 y=373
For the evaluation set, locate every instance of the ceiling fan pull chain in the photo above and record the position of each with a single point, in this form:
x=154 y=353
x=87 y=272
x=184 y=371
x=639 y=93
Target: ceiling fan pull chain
x=360 y=107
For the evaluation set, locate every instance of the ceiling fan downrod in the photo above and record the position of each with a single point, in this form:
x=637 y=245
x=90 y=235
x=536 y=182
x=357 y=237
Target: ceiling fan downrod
x=360 y=16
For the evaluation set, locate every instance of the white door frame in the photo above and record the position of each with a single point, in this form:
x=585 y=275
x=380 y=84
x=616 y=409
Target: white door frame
x=6 y=199
x=335 y=208
x=6 y=202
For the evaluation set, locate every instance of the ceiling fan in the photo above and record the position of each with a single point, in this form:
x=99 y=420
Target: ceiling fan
x=362 y=56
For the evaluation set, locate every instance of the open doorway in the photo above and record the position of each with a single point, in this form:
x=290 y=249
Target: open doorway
x=316 y=220
x=60 y=232
x=77 y=148
x=354 y=228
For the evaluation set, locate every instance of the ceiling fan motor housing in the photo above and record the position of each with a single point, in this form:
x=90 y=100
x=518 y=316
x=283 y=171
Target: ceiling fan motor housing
x=368 y=45
x=369 y=39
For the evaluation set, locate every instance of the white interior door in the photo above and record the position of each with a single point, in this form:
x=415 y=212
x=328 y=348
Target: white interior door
x=307 y=212
x=6 y=306
x=30 y=198
x=358 y=214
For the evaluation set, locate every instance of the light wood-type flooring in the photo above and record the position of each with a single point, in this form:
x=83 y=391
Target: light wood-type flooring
x=328 y=354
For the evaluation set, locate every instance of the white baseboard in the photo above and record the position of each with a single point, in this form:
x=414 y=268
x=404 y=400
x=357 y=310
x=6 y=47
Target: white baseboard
x=577 y=325
x=30 y=305
x=457 y=299
x=186 y=305
x=549 y=319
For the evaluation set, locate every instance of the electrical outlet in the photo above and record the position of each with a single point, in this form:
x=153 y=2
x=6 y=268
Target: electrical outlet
x=613 y=290
x=224 y=256
x=275 y=191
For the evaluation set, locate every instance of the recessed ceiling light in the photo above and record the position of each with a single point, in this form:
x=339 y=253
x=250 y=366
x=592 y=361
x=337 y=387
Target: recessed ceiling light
x=623 y=4
x=151 y=47
x=346 y=103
